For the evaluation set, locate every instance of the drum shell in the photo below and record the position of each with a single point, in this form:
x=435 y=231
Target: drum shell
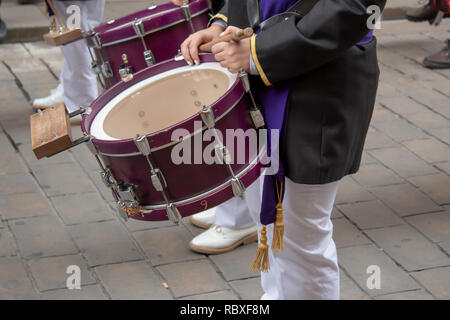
x=197 y=186
x=167 y=33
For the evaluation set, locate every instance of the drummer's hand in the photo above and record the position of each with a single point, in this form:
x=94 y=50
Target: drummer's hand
x=179 y=2
x=189 y=48
x=233 y=55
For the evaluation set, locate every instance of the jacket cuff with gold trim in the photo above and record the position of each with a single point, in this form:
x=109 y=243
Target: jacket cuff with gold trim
x=218 y=16
x=256 y=61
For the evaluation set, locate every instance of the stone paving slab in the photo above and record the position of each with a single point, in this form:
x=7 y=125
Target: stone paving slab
x=94 y=209
x=41 y=237
x=14 y=281
x=104 y=243
x=24 y=205
x=407 y=295
x=351 y=191
x=432 y=280
x=192 y=278
x=376 y=175
x=166 y=245
x=405 y=200
x=51 y=273
x=92 y=292
x=219 y=295
x=370 y=215
x=437 y=187
x=350 y=290
x=132 y=280
x=409 y=248
x=347 y=235
x=248 y=289
x=435 y=226
x=356 y=260
x=62 y=179
x=6 y=244
x=235 y=264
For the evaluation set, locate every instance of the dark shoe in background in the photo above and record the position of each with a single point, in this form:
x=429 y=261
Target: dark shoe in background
x=427 y=12
x=439 y=60
x=2 y=29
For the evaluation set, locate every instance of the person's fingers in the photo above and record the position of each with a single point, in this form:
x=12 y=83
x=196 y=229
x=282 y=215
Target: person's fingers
x=193 y=49
x=219 y=47
x=230 y=30
x=179 y=2
x=185 y=50
x=220 y=56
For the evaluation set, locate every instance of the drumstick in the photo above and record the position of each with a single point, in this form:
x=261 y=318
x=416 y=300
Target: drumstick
x=50 y=3
x=236 y=36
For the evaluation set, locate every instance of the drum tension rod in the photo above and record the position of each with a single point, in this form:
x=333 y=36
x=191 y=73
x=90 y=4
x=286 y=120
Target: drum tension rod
x=222 y=153
x=138 y=27
x=255 y=114
x=187 y=14
x=157 y=178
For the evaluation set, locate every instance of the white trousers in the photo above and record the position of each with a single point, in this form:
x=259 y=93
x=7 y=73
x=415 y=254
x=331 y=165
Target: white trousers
x=78 y=82
x=307 y=268
x=234 y=214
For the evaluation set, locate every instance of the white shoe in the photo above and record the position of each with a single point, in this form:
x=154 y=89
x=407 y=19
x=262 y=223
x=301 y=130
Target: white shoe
x=204 y=219
x=54 y=98
x=219 y=239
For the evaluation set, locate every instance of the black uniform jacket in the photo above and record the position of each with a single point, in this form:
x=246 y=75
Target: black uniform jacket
x=334 y=83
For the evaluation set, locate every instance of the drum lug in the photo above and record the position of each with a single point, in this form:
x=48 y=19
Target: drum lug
x=245 y=81
x=173 y=213
x=158 y=180
x=107 y=70
x=222 y=154
x=257 y=118
x=208 y=117
x=97 y=43
x=187 y=14
x=138 y=27
x=142 y=145
x=149 y=58
x=238 y=187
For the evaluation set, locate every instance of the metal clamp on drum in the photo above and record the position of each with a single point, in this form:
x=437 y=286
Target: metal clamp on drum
x=51 y=132
x=157 y=178
x=138 y=27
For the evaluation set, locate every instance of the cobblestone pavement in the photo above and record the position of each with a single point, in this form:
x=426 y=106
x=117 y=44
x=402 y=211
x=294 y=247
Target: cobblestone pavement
x=395 y=213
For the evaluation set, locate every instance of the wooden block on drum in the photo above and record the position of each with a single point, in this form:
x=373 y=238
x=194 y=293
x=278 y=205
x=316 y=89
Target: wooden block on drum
x=58 y=39
x=50 y=131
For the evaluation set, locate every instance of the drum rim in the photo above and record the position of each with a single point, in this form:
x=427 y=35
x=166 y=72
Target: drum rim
x=160 y=139
x=197 y=8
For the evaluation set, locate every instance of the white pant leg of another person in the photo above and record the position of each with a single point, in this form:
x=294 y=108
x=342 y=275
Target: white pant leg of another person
x=307 y=268
x=234 y=214
x=78 y=82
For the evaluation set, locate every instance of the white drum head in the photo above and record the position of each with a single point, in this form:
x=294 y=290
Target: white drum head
x=161 y=101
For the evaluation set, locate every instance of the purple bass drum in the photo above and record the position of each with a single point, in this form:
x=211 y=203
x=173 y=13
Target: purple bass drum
x=126 y=45
x=176 y=139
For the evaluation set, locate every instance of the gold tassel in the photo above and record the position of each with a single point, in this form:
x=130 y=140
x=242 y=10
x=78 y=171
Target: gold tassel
x=278 y=230
x=261 y=261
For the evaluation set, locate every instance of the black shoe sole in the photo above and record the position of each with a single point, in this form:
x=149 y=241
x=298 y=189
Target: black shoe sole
x=430 y=64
